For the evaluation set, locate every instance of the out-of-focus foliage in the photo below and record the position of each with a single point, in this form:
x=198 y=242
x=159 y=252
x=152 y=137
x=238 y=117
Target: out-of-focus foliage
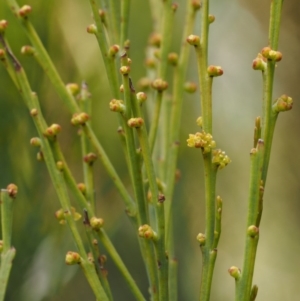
x=238 y=34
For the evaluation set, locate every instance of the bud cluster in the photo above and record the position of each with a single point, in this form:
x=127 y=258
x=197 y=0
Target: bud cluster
x=270 y=54
x=96 y=223
x=283 y=103
x=80 y=118
x=201 y=140
x=214 y=71
x=220 y=158
x=135 y=122
x=159 y=85
x=117 y=105
x=147 y=232
x=61 y=214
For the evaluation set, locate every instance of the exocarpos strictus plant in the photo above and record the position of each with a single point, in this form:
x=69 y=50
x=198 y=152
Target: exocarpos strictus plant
x=149 y=114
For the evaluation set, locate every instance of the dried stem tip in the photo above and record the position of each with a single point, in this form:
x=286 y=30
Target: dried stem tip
x=135 y=122
x=193 y=40
x=24 y=11
x=12 y=190
x=214 y=71
x=3 y=25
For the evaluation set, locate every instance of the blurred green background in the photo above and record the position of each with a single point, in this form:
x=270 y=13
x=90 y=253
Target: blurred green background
x=238 y=34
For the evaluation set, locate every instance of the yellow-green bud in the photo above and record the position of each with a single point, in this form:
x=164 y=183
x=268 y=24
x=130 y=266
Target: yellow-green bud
x=113 y=50
x=92 y=29
x=211 y=19
x=117 y=105
x=35 y=141
x=159 y=85
x=27 y=50
x=190 y=87
x=24 y=11
x=90 y=158
x=173 y=58
x=214 y=71
x=201 y=238
x=193 y=40
x=72 y=258
x=147 y=232
x=3 y=25
x=96 y=223
x=135 y=122
x=234 y=272
x=125 y=70
x=73 y=88
x=12 y=190
x=80 y=118
x=141 y=97
x=253 y=231
x=282 y=104
x=155 y=40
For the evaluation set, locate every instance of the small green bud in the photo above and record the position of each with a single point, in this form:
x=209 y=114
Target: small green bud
x=73 y=88
x=113 y=50
x=211 y=19
x=80 y=118
x=282 y=104
x=72 y=258
x=141 y=97
x=27 y=50
x=12 y=190
x=24 y=11
x=234 y=272
x=199 y=121
x=1 y=246
x=270 y=54
x=259 y=63
x=90 y=158
x=60 y=165
x=193 y=40
x=214 y=71
x=253 y=293
x=173 y=58
x=52 y=130
x=190 y=87
x=96 y=223
x=159 y=85
x=135 y=122
x=3 y=25
x=117 y=105
x=33 y=112
x=150 y=63
x=92 y=29
x=82 y=188
x=155 y=40
x=253 y=231
x=2 y=54
x=125 y=70
x=147 y=232
x=201 y=238
x=196 y=4
x=35 y=141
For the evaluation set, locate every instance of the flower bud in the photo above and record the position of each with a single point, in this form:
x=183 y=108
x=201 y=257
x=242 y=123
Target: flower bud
x=2 y=54
x=259 y=63
x=150 y=63
x=234 y=272
x=113 y=50
x=27 y=50
x=282 y=104
x=196 y=4
x=190 y=87
x=211 y=19
x=12 y=190
x=147 y=232
x=3 y=25
x=60 y=165
x=35 y=141
x=82 y=188
x=116 y=105
x=96 y=223
x=252 y=231
x=52 y=130
x=141 y=97
x=214 y=71
x=80 y=118
x=92 y=29
x=33 y=112
x=72 y=88
x=201 y=140
x=220 y=158
x=193 y=40
x=72 y=258
x=24 y=11
x=199 y=121
x=125 y=70
x=135 y=122
x=173 y=58
x=201 y=238
x=155 y=40
x=159 y=85
x=90 y=158
x=271 y=54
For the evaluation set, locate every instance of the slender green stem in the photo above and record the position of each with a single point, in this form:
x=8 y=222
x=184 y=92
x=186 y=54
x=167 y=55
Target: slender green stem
x=6 y=218
x=125 y=8
x=274 y=26
x=114 y=21
x=5 y=268
x=119 y=263
x=244 y=283
x=158 y=202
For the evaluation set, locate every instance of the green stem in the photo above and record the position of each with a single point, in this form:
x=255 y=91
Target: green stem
x=5 y=268
x=125 y=8
x=244 y=283
x=114 y=21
